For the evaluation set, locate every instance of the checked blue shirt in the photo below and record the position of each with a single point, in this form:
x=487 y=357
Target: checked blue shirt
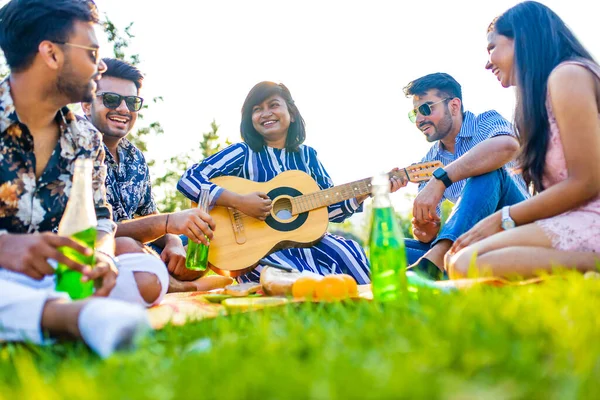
x=474 y=130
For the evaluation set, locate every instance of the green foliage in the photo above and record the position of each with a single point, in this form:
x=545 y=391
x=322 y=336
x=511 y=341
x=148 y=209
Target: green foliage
x=167 y=197
x=172 y=199
x=532 y=342
x=120 y=42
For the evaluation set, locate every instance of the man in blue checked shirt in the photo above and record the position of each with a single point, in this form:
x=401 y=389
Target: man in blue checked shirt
x=478 y=176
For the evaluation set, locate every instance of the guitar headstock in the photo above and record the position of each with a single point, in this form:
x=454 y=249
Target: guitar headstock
x=420 y=172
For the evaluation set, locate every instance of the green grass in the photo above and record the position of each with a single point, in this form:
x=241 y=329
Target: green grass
x=531 y=342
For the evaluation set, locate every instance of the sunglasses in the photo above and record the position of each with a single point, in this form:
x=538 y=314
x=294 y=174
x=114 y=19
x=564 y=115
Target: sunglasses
x=423 y=109
x=113 y=100
x=94 y=51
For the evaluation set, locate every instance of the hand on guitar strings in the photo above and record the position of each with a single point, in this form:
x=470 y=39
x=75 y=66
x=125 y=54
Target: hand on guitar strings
x=257 y=205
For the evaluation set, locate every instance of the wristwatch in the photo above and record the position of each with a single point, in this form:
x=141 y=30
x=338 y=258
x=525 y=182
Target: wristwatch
x=441 y=175
x=507 y=221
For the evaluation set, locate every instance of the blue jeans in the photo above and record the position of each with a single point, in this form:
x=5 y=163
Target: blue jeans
x=482 y=196
x=158 y=250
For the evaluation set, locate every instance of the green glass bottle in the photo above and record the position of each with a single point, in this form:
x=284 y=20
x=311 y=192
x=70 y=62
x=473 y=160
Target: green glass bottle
x=386 y=251
x=79 y=223
x=197 y=253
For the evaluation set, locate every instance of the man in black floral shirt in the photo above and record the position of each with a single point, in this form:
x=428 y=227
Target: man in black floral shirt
x=129 y=191
x=52 y=51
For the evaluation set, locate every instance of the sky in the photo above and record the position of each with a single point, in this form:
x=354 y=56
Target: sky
x=345 y=63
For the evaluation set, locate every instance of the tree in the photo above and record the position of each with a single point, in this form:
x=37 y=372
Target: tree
x=167 y=197
x=172 y=199
x=120 y=43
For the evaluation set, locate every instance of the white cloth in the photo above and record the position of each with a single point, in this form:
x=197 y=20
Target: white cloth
x=22 y=298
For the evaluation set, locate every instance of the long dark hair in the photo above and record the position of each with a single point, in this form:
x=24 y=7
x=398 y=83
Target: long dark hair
x=542 y=41
x=259 y=93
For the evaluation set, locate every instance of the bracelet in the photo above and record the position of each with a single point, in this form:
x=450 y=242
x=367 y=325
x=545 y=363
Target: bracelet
x=167 y=225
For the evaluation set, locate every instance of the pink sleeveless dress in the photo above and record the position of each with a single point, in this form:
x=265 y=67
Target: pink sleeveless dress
x=577 y=229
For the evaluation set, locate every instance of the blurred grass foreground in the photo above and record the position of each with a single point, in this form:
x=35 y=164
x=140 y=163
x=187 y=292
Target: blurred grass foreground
x=533 y=342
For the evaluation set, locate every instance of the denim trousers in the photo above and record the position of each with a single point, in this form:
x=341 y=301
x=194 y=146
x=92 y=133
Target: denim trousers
x=482 y=196
x=158 y=250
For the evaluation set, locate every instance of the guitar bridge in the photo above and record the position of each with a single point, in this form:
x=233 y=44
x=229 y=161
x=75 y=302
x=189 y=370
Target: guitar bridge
x=237 y=225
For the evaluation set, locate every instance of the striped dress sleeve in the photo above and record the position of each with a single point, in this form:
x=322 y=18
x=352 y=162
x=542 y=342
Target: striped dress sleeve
x=337 y=212
x=228 y=162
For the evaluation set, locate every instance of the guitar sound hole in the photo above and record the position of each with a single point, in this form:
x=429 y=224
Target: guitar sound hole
x=282 y=209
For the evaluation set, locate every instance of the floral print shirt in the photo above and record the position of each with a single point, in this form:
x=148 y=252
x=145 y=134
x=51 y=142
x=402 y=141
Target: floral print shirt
x=128 y=187
x=29 y=204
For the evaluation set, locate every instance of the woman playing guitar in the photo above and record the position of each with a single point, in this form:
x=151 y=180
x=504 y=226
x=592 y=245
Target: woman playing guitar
x=273 y=133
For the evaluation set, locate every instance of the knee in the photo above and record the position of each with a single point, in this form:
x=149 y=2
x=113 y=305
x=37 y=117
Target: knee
x=459 y=265
x=495 y=175
x=124 y=245
x=149 y=286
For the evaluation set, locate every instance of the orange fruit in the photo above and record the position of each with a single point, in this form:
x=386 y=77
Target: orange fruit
x=351 y=285
x=331 y=287
x=304 y=287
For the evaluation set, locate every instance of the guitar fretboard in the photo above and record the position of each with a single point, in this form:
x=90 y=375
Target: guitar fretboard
x=330 y=196
x=323 y=198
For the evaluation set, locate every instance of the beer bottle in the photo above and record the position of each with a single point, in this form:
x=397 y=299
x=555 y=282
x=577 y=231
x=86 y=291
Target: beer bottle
x=386 y=245
x=79 y=223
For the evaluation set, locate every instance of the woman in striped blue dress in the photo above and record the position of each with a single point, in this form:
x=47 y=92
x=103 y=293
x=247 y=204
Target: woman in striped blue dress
x=273 y=132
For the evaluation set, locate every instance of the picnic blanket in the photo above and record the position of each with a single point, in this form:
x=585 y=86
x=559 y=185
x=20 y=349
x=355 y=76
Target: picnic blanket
x=179 y=308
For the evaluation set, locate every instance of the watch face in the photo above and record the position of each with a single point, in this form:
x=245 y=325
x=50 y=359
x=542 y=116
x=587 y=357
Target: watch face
x=439 y=173
x=508 y=224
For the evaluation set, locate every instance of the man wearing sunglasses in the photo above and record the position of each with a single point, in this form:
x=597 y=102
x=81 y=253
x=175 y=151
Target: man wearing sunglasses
x=52 y=51
x=477 y=152
x=140 y=227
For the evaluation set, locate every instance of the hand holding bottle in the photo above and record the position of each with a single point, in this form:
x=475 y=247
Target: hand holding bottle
x=104 y=275
x=194 y=223
x=29 y=254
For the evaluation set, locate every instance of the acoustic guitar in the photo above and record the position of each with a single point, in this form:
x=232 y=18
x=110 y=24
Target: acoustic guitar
x=299 y=216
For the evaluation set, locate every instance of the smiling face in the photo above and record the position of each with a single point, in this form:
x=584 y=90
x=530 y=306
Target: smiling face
x=501 y=52
x=438 y=124
x=272 y=119
x=113 y=124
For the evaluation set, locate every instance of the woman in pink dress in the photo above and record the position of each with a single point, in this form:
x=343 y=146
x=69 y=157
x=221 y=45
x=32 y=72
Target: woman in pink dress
x=557 y=117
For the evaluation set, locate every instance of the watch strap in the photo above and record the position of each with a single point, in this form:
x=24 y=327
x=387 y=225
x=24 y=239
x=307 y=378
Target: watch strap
x=443 y=176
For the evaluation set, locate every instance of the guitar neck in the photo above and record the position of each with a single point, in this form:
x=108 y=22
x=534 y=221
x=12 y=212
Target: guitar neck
x=335 y=194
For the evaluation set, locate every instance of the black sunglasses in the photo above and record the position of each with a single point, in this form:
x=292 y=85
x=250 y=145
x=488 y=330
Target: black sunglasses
x=113 y=100
x=423 y=109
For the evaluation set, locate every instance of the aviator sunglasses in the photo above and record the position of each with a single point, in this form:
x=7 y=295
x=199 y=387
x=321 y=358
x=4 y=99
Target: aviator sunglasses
x=94 y=51
x=113 y=100
x=423 y=109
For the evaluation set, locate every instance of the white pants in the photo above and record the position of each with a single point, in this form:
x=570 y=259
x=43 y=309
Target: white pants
x=22 y=298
